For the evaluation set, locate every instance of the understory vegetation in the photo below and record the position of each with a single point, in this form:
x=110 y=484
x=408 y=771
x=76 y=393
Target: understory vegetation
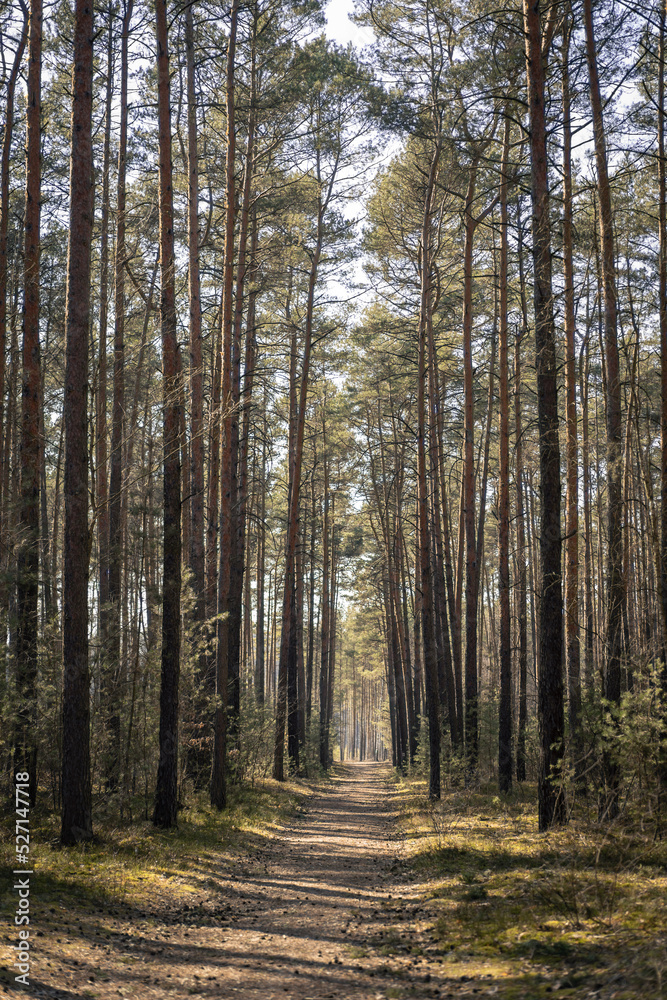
x=579 y=910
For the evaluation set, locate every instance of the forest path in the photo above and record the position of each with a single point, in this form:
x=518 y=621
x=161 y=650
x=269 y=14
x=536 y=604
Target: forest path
x=323 y=910
x=310 y=912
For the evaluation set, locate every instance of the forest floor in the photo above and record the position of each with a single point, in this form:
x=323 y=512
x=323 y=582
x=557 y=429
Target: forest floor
x=361 y=891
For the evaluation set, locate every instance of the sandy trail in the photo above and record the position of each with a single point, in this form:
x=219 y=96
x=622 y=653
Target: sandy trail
x=308 y=906
x=321 y=911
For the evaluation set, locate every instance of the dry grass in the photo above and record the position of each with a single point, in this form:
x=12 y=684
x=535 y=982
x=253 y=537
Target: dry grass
x=579 y=910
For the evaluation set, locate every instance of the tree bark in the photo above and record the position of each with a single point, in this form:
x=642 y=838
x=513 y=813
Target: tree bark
x=113 y=666
x=295 y=487
x=551 y=802
x=572 y=649
x=196 y=553
x=471 y=574
x=76 y=787
x=614 y=457
x=521 y=583
x=261 y=570
x=27 y=570
x=324 y=632
x=505 y=705
x=165 y=810
x=428 y=632
x=8 y=136
x=101 y=428
x=662 y=305
x=219 y=768
x=241 y=402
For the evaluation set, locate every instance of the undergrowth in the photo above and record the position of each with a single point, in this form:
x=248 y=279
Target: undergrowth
x=579 y=910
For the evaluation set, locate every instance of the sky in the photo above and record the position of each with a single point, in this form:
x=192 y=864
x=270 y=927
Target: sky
x=341 y=29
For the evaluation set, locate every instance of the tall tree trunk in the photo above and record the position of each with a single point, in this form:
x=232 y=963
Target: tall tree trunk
x=300 y=664
x=505 y=705
x=551 y=802
x=292 y=686
x=76 y=788
x=113 y=666
x=416 y=628
x=310 y=657
x=261 y=568
x=521 y=583
x=616 y=585
x=7 y=138
x=196 y=553
x=45 y=553
x=572 y=649
x=219 y=768
x=213 y=505
x=428 y=631
x=241 y=403
x=295 y=488
x=324 y=656
x=333 y=596
x=27 y=570
x=166 y=797
x=471 y=573
x=662 y=304
x=446 y=678
x=101 y=429
x=454 y=610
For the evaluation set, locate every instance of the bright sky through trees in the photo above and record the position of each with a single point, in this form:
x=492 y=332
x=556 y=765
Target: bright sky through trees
x=341 y=29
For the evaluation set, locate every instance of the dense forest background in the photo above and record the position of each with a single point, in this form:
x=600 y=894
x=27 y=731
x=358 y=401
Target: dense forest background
x=333 y=393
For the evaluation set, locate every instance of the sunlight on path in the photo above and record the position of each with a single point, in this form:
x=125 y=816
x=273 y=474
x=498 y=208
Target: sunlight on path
x=306 y=914
x=318 y=888
x=320 y=911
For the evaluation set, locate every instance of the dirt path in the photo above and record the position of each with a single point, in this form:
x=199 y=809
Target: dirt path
x=312 y=914
x=308 y=903
x=315 y=913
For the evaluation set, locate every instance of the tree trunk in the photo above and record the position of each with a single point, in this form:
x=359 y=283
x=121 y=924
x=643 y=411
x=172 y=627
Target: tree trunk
x=454 y=610
x=213 y=506
x=446 y=679
x=521 y=583
x=572 y=650
x=324 y=656
x=196 y=553
x=227 y=554
x=614 y=457
x=662 y=305
x=241 y=404
x=428 y=632
x=76 y=788
x=113 y=666
x=166 y=797
x=294 y=492
x=27 y=570
x=310 y=657
x=4 y=222
x=551 y=803
x=505 y=704
x=101 y=429
x=471 y=574
x=261 y=569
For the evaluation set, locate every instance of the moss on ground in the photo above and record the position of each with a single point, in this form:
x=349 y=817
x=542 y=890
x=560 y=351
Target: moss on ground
x=580 y=911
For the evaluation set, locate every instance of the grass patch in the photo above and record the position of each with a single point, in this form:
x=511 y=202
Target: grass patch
x=575 y=910
x=138 y=865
